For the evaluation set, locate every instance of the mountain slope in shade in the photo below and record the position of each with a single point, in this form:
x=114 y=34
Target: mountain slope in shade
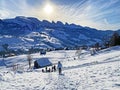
x=28 y=32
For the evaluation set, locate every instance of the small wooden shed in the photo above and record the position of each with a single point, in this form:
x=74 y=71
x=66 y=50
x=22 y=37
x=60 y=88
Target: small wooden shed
x=42 y=62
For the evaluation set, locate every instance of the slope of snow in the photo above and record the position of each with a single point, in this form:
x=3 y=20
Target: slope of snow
x=98 y=72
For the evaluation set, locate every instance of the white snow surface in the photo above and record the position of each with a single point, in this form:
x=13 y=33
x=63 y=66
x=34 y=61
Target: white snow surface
x=98 y=72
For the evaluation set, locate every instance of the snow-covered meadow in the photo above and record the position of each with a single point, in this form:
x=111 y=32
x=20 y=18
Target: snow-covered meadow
x=98 y=72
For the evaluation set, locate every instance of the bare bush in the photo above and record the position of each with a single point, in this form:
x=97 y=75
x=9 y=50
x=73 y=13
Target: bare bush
x=29 y=59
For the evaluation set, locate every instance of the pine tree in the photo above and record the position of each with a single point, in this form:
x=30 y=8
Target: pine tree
x=115 y=39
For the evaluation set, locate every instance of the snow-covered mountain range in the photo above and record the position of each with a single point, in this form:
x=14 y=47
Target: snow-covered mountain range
x=30 y=32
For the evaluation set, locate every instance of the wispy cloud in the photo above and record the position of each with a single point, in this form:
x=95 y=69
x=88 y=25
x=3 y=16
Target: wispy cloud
x=94 y=14
x=100 y=14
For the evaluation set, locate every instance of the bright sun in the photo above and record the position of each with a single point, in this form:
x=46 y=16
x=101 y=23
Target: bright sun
x=48 y=9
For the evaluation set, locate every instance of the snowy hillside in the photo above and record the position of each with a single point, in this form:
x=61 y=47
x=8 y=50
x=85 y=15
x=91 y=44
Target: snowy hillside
x=27 y=32
x=98 y=72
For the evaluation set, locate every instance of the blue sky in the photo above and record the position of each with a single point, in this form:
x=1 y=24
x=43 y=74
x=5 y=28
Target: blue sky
x=99 y=14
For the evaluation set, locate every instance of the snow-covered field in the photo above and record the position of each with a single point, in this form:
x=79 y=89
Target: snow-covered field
x=98 y=72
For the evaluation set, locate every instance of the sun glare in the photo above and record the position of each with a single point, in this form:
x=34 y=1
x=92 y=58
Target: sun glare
x=48 y=9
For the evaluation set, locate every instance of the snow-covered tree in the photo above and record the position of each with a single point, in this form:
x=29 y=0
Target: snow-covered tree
x=92 y=51
x=78 y=52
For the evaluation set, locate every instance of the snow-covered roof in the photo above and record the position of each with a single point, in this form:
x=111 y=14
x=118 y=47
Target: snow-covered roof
x=43 y=62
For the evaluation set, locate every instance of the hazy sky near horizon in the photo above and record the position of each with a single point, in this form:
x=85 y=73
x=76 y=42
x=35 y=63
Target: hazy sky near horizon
x=99 y=14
